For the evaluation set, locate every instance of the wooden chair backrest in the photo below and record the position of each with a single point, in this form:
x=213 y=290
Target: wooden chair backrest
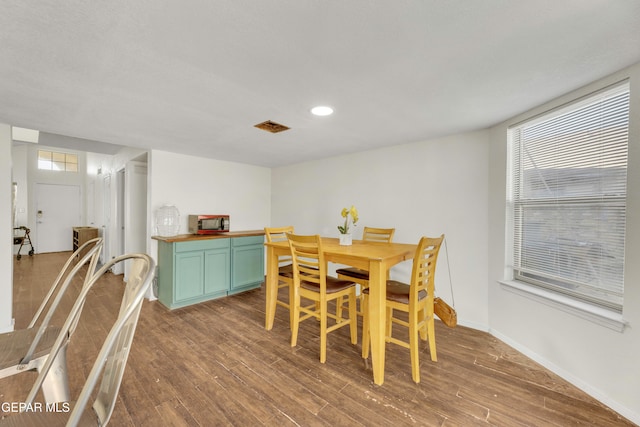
x=308 y=260
x=424 y=268
x=372 y=234
x=279 y=234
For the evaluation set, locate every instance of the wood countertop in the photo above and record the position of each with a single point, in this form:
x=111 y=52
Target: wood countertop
x=222 y=235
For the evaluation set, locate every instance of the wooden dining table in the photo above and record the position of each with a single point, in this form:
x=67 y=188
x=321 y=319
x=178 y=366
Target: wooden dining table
x=376 y=257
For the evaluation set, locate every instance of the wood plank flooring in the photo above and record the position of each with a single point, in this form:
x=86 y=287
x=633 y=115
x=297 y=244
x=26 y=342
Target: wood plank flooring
x=214 y=364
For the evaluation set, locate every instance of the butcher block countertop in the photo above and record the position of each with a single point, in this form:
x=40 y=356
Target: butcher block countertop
x=222 y=235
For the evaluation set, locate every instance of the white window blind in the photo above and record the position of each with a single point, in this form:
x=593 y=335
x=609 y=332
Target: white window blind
x=568 y=198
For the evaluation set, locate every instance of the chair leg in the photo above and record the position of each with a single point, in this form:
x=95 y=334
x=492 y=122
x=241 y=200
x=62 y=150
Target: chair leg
x=389 y=322
x=360 y=298
x=431 y=326
x=292 y=311
x=55 y=386
x=365 y=327
x=353 y=318
x=422 y=315
x=294 y=306
x=339 y=302
x=323 y=331
x=413 y=346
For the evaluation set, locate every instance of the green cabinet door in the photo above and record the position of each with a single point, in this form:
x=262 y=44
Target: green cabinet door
x=216 y=272
x=189 y=275
x=247 y=263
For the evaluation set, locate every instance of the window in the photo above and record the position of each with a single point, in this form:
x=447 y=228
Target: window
x=567 y=198
x=48 y=160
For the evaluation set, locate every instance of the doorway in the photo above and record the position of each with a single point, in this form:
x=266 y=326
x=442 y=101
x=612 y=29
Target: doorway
x=57 y=212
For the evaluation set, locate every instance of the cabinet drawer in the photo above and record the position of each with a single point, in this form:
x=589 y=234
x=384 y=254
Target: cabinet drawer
x=202 y=245
x=248 y=240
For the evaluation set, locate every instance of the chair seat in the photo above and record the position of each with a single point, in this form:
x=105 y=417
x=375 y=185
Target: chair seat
x=353 y=272
x=286 y=271
x=14 y=345
x=399 y=292
x=333 y=285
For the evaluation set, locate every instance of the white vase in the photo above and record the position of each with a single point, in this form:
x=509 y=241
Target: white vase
x=345 y=239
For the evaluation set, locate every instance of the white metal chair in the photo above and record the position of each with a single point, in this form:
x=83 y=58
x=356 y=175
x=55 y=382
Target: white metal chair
x=111 y=360
x=27 y=349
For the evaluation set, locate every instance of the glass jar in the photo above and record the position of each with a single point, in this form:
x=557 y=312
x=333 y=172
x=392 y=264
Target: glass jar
x=167 y=221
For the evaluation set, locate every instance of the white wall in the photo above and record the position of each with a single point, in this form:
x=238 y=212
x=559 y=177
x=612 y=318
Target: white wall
x=601 y=361
x=426 y=188
x=6 y=232
x=197 y=185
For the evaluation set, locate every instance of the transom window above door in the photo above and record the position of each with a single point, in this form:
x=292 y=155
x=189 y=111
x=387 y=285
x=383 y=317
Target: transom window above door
x=54 y=161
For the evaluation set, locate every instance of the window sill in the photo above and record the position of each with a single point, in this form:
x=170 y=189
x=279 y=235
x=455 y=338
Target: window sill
x=597 y=315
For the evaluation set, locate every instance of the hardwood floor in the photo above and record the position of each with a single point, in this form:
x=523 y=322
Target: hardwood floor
x=214 y=364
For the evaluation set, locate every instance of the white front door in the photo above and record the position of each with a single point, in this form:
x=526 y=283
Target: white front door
x=57 y=212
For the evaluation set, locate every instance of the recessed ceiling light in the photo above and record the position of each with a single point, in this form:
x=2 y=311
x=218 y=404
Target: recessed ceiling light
x=322 y=110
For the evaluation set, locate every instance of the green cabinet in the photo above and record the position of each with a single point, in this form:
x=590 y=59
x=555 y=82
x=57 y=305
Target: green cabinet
x=194 y=271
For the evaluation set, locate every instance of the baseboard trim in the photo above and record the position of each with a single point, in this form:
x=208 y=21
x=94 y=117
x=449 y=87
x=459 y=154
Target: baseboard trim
x=587 y=388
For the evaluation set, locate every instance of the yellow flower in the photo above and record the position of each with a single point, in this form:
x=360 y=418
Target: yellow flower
x=346 y=213
x=354 y=214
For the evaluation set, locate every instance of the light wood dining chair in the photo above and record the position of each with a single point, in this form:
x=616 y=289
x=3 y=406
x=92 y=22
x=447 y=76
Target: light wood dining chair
x=369 y=234
x=416 y=299
x=27 y=349
x=310 y=281
x=285 y=266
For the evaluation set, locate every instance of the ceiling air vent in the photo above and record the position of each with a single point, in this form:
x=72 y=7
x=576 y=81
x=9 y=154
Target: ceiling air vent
x=272 y=127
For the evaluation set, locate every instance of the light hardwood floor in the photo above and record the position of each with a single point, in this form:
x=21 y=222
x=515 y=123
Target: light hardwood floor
x=214 y=364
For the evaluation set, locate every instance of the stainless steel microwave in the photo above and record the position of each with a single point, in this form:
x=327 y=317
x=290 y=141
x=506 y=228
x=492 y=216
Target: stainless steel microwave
x=208 y=224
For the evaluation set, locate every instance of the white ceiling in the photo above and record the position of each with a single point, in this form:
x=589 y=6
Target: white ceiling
x=195 y=76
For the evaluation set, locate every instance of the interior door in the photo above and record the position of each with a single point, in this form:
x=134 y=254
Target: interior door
x=105 y=256
x=118 y=235
x=57 y=212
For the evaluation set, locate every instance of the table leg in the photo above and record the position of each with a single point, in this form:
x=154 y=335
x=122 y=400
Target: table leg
x=271 y=287
x=377 y=318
